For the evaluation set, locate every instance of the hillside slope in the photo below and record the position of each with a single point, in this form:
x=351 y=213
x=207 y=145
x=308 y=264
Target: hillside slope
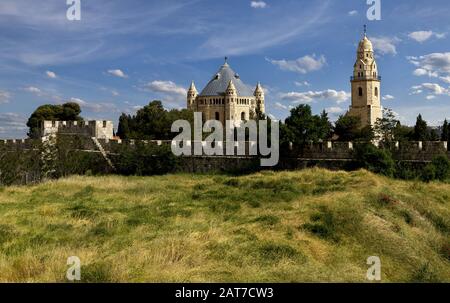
x=311 y=225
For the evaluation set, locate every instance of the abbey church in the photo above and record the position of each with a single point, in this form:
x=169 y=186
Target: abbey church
x=226 y=97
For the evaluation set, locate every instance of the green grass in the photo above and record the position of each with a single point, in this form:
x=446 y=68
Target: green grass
x=311 y=225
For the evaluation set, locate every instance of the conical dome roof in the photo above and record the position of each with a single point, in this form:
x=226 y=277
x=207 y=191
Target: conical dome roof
x=219 y=83
x=366 y=44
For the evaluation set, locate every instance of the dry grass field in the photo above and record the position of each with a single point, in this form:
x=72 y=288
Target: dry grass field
x=311 y=225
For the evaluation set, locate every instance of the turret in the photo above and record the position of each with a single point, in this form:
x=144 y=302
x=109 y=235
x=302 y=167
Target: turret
x=231 y=90
x=191 y=96
x=259 y=98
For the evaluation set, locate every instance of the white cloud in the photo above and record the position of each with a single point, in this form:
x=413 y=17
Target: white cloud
x=445 y=79
x=258 y=4
x=334 y=110
x=118 y=73
x=422 y=36
x=430 y=97
x=311 y=96
x=435 y=65
x=12 y=125
x=431 y=88
x=51 y=74
x=388 y=97
x=353 y=13
x=115 y=93
x=302 y=83
x=385 y=45
x=4 y=96
x=227 y=36
x=169 y=92
x=272 y=117
x=34 y=90
x=423 y=72
x=302 y=65
x=167 y=87
x=282 y=106
x=97 y=107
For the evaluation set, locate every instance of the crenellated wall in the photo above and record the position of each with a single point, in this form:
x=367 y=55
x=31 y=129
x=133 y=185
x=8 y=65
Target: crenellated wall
x=402 y=151
x=97 y=129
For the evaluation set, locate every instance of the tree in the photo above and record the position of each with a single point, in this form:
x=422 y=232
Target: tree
x=433 y=135
x=445 y=136
x=152 y=122
x=302 y=127
x=65 y=112
x=385 y=127
x=375 y=160
x=403 y=133
x=347 y=127
x=325 y=128
x=123 y=130
x=421 y=130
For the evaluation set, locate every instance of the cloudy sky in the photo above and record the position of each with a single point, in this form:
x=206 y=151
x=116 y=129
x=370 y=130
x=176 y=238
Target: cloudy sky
x=122 y=54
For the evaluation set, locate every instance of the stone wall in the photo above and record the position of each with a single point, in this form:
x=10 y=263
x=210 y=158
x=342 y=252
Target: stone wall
x=80 y=154
x=97 y=129
x=402 y=151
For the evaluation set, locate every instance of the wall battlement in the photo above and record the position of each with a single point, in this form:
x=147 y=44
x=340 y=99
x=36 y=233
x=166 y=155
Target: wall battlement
x=408 y=151
x=98 y=129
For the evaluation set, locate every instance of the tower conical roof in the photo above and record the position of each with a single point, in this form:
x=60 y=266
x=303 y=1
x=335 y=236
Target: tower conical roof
x=366 y=44
x=219 y=83
x=192 y=87
x=259 y=88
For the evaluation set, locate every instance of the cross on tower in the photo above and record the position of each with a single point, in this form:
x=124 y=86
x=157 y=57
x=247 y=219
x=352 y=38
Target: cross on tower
x=365 y=30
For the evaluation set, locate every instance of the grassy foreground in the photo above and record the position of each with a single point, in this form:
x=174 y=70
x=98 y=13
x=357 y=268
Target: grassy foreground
x=311 y=225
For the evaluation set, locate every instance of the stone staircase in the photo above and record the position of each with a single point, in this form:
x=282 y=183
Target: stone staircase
x=103 y=152
x=49 y=156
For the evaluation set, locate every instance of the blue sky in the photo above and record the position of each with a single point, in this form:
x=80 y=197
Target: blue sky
x=123 y=54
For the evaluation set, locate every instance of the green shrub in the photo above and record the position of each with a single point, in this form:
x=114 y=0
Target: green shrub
x=375 y=160
x=428 y=173
x=441 y=165
x=146 y=160
x=323 y=226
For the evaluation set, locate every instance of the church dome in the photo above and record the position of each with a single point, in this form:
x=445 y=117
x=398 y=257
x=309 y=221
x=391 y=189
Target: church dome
x=219 y=83
x=365 y=44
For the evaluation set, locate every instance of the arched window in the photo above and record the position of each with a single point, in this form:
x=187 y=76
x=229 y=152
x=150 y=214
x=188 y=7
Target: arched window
x=243 y=116
x=217 y=116
x=360 y=91
x=376 y=91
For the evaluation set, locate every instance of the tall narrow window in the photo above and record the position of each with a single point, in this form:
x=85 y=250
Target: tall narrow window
x=243 y=116
x=360 y=91
x=376 y=91
x=217 y=116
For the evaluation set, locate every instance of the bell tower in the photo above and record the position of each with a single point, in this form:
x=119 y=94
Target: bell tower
x=365 y=82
